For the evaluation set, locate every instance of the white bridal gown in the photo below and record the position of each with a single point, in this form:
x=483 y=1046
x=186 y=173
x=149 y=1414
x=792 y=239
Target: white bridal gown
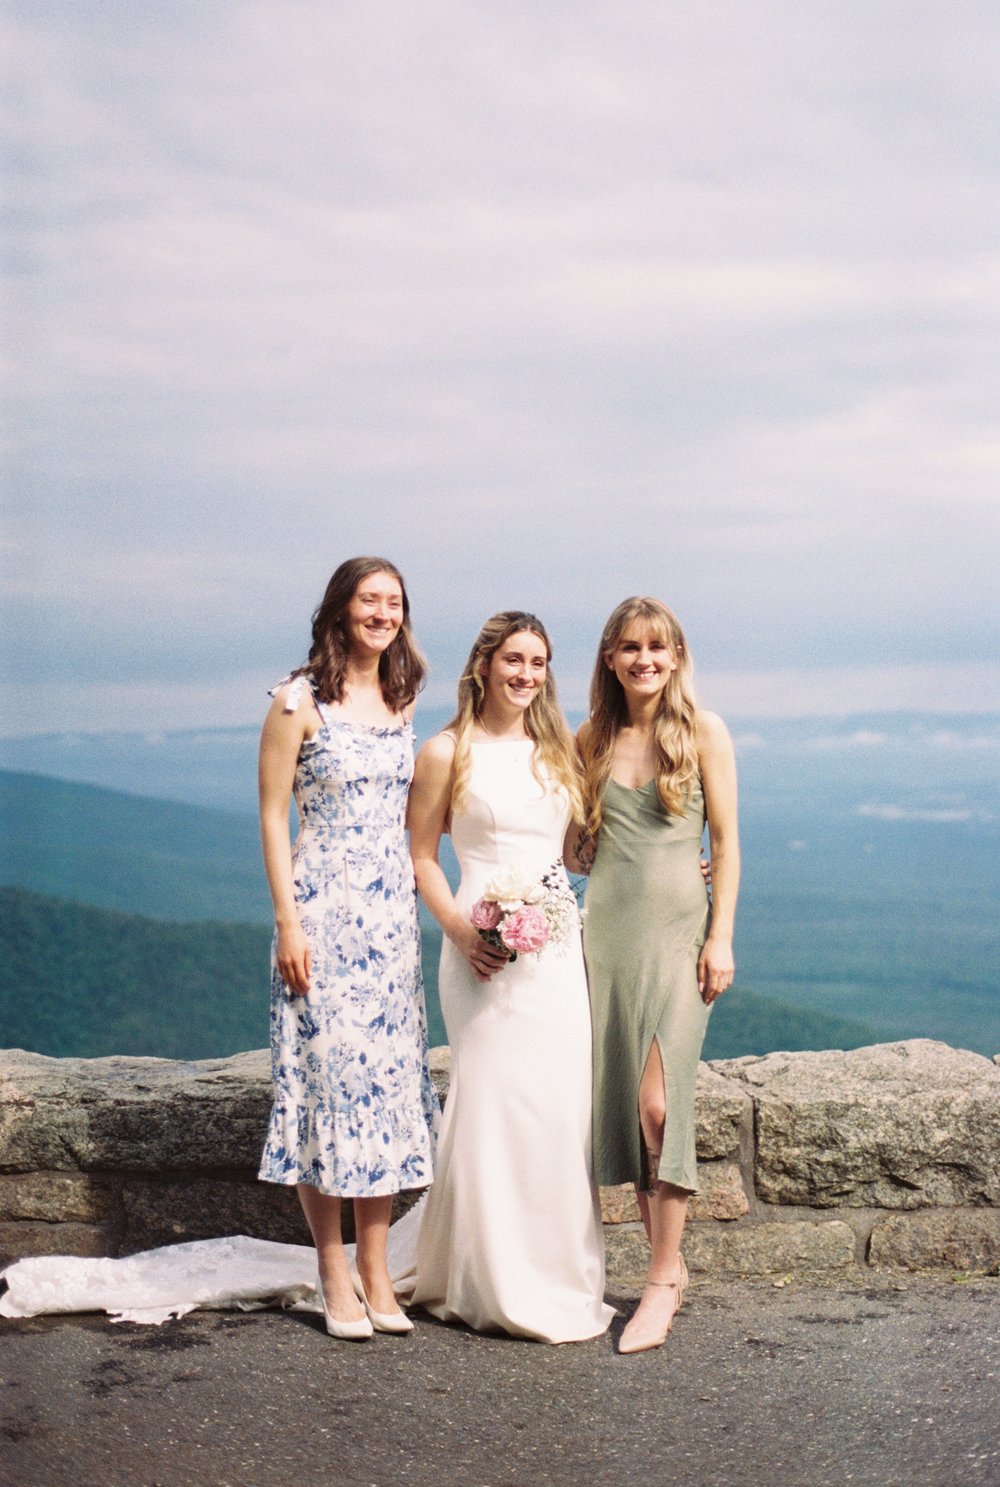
x=509 y=1236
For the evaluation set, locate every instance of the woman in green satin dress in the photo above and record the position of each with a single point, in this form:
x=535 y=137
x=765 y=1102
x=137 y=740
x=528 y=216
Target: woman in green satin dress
x=657 y=768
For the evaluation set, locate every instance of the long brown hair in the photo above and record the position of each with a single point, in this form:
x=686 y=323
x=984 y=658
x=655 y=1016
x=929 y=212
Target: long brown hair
x=674 y=743
x=401 y=668
x=543 y=722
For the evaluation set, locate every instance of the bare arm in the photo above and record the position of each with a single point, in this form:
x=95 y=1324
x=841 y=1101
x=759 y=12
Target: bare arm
x=280 y=742
x=717 y=763
x=426 y=818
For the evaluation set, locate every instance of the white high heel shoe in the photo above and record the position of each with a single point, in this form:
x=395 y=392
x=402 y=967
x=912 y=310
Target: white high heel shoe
x=381 y=1321
x=387 y=1321
x=357 y=1331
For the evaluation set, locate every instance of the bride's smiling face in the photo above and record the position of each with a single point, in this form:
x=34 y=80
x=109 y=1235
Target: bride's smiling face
x=516 y=671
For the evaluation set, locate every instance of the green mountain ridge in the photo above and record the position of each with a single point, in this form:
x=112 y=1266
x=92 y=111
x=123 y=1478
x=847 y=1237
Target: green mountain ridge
x=130 y=852
x=82 y=982
x=126 y=984
x=833 y=957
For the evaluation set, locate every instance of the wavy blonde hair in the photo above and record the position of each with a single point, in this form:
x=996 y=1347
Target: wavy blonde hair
x=543 y=722
x=674 y=740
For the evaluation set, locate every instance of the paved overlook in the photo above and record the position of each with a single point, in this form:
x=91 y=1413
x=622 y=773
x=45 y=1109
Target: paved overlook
x=890 y=1383
x=860 y=1192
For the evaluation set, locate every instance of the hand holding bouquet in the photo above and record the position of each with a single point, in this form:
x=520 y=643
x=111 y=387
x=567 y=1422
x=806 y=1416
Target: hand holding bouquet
x=520 y=915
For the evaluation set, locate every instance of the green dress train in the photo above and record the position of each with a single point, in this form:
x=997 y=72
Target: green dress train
x=646 y=920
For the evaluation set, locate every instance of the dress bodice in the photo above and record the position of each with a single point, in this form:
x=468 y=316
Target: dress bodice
x=511 y=815
x=350 y=787
x=353 y=778
x=642 y=842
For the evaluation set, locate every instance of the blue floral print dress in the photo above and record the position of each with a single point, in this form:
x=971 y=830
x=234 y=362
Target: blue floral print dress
x=354 y=1110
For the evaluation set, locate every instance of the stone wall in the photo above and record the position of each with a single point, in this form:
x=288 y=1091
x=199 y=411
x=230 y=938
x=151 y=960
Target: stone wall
x=886 y=1156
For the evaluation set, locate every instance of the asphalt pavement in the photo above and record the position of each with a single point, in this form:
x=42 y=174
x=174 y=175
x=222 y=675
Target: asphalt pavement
x=883 y=1383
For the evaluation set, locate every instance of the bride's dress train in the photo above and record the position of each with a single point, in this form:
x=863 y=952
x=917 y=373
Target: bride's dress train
x=168 y=1282
x=236 y=1272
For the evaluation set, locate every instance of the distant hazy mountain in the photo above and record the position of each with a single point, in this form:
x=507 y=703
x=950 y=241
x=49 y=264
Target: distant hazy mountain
x=930 y=763
x=119 y=851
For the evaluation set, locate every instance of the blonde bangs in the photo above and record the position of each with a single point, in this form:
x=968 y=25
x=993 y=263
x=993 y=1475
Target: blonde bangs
x=674 y=737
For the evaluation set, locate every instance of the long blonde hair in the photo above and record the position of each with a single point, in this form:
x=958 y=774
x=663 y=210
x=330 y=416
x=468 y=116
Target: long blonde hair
x=674 y=740
x=543 y=722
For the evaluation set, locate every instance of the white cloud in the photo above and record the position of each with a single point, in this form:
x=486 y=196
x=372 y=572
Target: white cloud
x=909 y=813
x=950 y=739
x=863 y=738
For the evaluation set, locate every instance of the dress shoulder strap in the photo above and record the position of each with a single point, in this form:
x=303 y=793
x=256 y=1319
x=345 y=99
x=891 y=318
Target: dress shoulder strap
x=294 y=694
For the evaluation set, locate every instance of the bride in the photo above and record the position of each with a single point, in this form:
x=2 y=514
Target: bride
x=510 y=1237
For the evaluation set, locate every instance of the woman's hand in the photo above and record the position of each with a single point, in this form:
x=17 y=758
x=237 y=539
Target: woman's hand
x=294 y=959
x=579 y=850
x=715 y=968
x=483 y=958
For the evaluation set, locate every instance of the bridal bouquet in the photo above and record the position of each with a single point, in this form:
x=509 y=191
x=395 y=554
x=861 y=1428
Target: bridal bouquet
x=522 y=915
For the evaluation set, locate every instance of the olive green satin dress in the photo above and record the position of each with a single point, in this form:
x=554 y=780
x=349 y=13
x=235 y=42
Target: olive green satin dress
x=645 y=923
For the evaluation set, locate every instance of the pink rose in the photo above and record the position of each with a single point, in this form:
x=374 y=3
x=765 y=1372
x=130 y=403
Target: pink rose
x=525 y=931
x=485 y=914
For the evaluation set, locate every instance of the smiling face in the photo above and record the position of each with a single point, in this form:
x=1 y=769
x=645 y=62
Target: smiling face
x=642 y=660
x=516 y=671
x=373 y=615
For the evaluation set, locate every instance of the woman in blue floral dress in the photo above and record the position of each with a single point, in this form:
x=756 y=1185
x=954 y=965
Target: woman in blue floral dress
x=354 y=1112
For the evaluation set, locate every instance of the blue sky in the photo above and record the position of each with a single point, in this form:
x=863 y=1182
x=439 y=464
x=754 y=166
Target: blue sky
x=548 y=303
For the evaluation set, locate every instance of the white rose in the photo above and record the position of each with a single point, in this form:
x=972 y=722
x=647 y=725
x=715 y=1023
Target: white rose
x=510 y=887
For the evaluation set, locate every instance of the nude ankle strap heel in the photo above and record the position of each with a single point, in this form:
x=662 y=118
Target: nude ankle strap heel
x=643 y=1342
